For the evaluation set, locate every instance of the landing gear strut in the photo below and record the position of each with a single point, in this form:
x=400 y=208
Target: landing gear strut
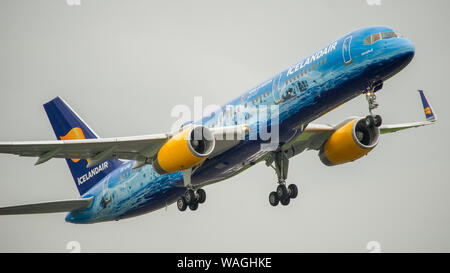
x=283 y=194
x=372 y=119
x=191 y=198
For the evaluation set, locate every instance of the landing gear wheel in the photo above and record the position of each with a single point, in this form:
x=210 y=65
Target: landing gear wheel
x=201 y=196
x=193 y=206
x=273 y=199
x=293 y=191
x=370 y=121
x=282 y=192
x=189 y=196
x=181 y=204
x=286 y=201
x=378 y=121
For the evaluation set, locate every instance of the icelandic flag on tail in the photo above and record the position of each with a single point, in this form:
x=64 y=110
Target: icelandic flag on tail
x=429 y=114
x=68 y=125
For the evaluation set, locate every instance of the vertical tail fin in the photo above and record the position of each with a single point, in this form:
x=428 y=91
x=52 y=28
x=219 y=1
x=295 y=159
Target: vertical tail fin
x=68 y=125
x=429 y=114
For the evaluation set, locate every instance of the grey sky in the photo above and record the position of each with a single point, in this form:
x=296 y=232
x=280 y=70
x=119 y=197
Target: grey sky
x=123 y=65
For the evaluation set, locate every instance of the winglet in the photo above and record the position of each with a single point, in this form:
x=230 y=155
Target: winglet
x=429 y=114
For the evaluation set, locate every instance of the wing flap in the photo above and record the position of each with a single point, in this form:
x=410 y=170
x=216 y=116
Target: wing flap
x=48 y=207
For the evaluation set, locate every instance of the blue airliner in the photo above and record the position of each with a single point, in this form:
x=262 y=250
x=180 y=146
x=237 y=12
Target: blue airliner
x=124 y=177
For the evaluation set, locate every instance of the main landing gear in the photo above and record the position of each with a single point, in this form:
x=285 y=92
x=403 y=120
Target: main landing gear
x=284 y=193
x=192 y=197
x=372 y=119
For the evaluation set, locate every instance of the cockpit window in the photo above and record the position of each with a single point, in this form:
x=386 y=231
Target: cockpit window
x=380 y=36
x=389 y=35
x=376 y=37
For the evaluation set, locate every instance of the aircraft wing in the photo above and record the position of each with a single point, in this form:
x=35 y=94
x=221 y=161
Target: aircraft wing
x=100 y=149
x=315 y=135
x=48 y=207
x=431 y=118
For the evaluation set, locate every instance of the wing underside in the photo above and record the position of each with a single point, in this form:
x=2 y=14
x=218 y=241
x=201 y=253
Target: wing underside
x=315 y=135
x=48 y=207
x=97 y=150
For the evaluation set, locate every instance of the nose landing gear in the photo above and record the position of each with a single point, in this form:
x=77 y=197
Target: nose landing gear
x=373 y=120
x=282 y=194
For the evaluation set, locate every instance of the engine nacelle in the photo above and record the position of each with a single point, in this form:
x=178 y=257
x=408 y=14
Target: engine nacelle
x=186 y=149
x=350 y=142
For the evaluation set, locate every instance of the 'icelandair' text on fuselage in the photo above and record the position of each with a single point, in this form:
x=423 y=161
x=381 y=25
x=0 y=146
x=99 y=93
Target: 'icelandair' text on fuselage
x=92 y=173
x=313 y=58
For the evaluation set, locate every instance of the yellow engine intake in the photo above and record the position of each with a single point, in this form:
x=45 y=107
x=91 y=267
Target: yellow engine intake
x=349 y=143
x=185 y=150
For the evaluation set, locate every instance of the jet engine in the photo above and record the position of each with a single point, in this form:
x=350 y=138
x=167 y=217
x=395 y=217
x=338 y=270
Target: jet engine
x=184 y=150
x=350 y=142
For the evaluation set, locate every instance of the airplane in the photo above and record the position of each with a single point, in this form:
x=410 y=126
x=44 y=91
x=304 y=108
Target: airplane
x=123 y=177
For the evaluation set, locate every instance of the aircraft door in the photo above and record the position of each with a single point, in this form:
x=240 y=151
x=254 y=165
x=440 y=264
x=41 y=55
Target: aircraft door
x=277 y=99
x=106 y=194
x=346 y=51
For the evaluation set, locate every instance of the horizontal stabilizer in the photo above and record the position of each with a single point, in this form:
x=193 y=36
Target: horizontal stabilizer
x=48 y=207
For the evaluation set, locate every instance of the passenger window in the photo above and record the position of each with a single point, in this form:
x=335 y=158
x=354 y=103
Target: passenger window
x=321 y=62
x=325 y=60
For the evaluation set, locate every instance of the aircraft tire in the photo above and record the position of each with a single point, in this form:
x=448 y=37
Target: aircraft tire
x=273 y=199
x=282 y=192
x=193 y=206
x=189 y=196
x=293 y=191
x=201 y=196
x=370 y=121
x=181 y=204
x=286 y=201
x=378 y=121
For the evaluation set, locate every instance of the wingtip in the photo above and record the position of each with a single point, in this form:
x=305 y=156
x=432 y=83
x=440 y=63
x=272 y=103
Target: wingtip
x=428 y=110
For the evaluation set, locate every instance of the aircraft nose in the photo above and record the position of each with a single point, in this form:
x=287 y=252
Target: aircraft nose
x=406 y=50
x=402 y=51
x=410 y=49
